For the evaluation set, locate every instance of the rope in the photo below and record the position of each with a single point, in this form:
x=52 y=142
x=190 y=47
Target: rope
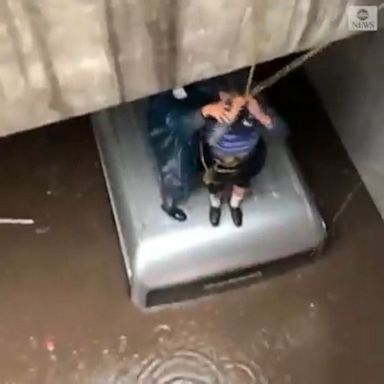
x=249 y=81
x=294 y=64
x=287 y=69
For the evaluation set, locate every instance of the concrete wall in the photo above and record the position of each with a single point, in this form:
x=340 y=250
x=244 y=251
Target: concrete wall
x=62 y=58
x=349 y=77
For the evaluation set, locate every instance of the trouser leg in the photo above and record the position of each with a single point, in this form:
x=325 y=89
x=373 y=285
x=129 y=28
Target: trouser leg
x=170 y=208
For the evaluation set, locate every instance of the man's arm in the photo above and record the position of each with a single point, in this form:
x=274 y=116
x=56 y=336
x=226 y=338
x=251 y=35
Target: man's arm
x=192 y=120
x=255 y=109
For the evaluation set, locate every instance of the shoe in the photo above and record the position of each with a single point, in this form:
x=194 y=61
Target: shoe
x=237 y=216
x=214 y=216
x=174 y=212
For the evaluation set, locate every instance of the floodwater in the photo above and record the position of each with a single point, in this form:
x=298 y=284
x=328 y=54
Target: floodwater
x=65 y=313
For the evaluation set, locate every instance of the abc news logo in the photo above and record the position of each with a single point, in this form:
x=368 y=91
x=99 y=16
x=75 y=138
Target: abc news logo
x=362 y=18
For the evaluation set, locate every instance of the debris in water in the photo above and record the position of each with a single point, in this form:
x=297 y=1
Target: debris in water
x=105 y=351
x=32 y=371
x=12 y=221
x=122 y=344
x=50 y=344
x=313 y=310
x=33 y=342
x=163 y=328
x=53 y=357
x=290 y=339
x=42 y=230
x=266 y=344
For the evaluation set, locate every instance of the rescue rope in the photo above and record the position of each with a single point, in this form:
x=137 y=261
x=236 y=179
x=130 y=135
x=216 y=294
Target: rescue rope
x=294 y=64
x=249 y=80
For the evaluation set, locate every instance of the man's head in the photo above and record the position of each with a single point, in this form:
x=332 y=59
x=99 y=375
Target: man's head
x=231 y=85
x=226 y=86
x=222 y=87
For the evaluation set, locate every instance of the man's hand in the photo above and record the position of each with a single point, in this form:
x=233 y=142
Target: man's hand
x=255 y=109
x=224 y=112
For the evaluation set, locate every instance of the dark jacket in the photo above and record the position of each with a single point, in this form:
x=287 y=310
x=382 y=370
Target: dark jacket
x=172 y=128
